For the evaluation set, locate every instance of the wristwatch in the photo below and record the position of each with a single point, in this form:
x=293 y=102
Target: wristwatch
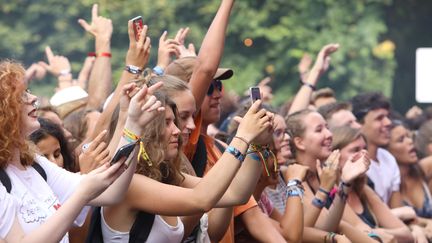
x=133 y=69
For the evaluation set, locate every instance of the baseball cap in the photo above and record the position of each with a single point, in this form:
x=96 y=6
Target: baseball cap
x=183 y=68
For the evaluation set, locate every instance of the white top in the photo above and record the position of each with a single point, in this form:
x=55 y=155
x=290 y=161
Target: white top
x=385 y=174
x=37 y=199
x=161 y=232
x=7 y=211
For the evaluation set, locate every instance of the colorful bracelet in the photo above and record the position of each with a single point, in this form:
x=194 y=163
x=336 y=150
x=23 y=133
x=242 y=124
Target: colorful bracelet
x=102 y=54
x=318 y=203
x=130 y=136
x=309 y=85
x=330 y=237
x=324 y=191
x=159 y=71
x=236 y=153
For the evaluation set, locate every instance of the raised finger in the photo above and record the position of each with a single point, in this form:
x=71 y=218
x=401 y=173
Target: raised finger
x=84 y=24
x=141 y=94
x=143 y=35
x=147 y=44
x=49 y=54
x=154 y=87
x=132 y=41
x=178 y=34
x=94 y=11
x=155 y=106
x=103 y=155
x=150 y=101
x=163 y=38
x=184 y=34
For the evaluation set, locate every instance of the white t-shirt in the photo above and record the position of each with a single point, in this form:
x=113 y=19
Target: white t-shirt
x=37 y=199
x=384 y=174
x=160 y=232
x=7 y=211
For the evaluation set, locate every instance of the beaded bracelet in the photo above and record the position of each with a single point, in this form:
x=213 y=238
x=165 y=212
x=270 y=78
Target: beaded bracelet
x=330 y=237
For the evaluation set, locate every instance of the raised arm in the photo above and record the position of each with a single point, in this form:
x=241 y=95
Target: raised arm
x=322 y=62
x=204 y=195
x=100 y=83
x=210 y=53
x=137 y=55
x=61 y=221
x=142 y=109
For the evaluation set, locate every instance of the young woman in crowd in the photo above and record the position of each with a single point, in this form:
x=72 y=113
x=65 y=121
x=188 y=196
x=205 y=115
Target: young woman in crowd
x=162 y=166
x=374 y=216
x=52 y=144
x=414 y=184
x=311 y=146
x=18 y=121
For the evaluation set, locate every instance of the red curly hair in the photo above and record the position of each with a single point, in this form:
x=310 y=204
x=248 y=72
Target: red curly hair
x=11 y=88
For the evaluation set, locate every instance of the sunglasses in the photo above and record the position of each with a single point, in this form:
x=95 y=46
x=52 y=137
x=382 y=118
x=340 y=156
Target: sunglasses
x=216 y=84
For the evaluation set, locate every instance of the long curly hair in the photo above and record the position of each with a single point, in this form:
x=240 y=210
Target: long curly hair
x=12 y=87
x=153 y=138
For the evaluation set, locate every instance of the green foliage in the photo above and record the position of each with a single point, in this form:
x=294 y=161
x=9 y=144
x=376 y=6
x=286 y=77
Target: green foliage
x=281 y=31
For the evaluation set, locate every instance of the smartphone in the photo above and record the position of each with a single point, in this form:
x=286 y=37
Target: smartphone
x=255 y=94
x=137 y=24
x=123 y=151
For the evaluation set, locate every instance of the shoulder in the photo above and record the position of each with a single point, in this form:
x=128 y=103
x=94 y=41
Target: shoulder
x=386 y=157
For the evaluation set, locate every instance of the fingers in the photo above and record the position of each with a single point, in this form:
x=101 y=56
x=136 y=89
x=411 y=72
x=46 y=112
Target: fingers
x=44 y=65
x=264 y=82
x=150 y=101
x=84 y=24
x=49 y=54
x=163 y=38
x=255 y=106
x=184 y=34
x=94 y=11
x=140 y=96
x=154 y=87
x=237 y=119
x=318 y=167
x=143 y=35
x=132 y=41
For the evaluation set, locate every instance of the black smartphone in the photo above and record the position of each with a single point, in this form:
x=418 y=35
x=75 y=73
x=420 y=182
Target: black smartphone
x=123 y=151
x=137 y=24
x=255 y=94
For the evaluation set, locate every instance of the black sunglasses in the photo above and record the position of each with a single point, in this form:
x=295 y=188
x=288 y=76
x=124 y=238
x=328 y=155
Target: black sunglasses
x=215 y=84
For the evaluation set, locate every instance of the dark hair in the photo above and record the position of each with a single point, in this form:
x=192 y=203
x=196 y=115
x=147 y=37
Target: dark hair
x=322 y=93
x=329 y=109
x=423 y=138
x=365 y=102
x=48 y=128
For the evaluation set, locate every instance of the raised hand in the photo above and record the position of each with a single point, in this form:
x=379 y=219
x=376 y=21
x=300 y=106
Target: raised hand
x=57 y=65
x=95 y=182
x=167 y=48
x=295 y=171
x=139 y=51
x=255 y=122
x=34 y=71
x=84 y=74
x=100 y=27
x=304 y=65
x=329 y=173
x=322 y=61
x=180 y=38
x=144 y=106
x=354 y=168
x=95 y=155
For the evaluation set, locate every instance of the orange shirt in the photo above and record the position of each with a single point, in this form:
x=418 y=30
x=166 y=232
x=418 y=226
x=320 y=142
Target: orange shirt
x=213 y=154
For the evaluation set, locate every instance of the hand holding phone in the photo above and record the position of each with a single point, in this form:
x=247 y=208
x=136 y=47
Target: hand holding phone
x=137 y=24
x=255 y=94
x=122 y=152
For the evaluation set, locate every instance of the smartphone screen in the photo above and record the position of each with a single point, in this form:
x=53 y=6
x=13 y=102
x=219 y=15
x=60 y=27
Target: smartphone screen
x=137 y=24
x=122 y=152
x=255 y=94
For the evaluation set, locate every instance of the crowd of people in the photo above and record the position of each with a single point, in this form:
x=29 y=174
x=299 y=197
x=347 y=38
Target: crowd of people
x=206 y=165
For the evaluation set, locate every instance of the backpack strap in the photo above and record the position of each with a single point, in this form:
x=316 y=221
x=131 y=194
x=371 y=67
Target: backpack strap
x=220 y=146
x=199 y=160
x=141 y=228
x=94 y=233
x=40 y=170
x=5 y=180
